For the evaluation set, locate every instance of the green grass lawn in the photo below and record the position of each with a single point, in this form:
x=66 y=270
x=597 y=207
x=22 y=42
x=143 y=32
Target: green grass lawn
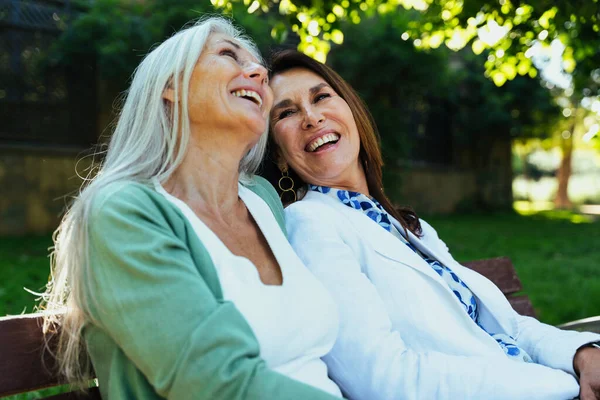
x=558 y=261
x=23 y=263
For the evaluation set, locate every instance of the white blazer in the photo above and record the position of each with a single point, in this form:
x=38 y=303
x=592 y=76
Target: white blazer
x=404 y=334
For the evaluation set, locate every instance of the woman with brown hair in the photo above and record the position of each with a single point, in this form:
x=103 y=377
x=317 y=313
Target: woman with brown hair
x=415 y=324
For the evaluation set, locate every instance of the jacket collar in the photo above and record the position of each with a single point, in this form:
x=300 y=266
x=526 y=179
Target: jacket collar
x=382 y=241
x=388 y=246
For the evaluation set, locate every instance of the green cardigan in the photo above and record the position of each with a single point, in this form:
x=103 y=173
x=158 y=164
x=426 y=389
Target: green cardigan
x=161 y=328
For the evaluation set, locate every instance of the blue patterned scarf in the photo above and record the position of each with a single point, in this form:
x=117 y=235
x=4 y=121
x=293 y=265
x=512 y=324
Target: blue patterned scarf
x=371 y=207
x=374 y=210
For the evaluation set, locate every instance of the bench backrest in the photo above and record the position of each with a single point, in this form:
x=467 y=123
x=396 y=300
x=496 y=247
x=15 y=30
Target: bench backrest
x=501 y=271
x=25 y=364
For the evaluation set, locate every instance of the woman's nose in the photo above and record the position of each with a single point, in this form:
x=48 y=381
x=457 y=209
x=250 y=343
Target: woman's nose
x=256 y=72
x=312 y=119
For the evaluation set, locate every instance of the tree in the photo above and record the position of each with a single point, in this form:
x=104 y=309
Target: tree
x=437 y=106
x=508 y=29
x=119 y=33
x=116 y=34
x=509 y=32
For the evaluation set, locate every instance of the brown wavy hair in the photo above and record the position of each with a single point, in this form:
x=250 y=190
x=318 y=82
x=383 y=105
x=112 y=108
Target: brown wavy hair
x=370 y=149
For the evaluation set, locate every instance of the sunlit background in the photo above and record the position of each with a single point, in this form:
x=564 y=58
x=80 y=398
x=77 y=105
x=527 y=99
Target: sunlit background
x=488 y=111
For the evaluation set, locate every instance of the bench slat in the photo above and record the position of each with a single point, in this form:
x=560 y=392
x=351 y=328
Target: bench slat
x=21 y=347
x=499 y=270
x=522 y=305
x=26 y=365
x=591 y=324
x=22 y=343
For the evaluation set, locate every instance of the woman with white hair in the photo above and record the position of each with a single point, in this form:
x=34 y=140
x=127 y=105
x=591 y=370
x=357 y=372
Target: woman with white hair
x=171 y=269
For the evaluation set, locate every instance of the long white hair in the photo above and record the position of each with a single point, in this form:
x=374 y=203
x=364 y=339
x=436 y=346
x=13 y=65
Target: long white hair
x=150 y=141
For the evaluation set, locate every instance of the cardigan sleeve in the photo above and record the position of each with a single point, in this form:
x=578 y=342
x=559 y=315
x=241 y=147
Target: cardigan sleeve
x=370 y=360
x=146 y=293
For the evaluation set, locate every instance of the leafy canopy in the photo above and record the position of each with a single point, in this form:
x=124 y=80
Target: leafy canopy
x=511 y=31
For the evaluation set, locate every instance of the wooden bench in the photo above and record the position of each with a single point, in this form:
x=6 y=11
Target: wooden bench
x=25 y=366
x=501 y=271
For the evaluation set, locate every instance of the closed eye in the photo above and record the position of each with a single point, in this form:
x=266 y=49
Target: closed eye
x=284 y=114
x=229 y=53
x=321 y=96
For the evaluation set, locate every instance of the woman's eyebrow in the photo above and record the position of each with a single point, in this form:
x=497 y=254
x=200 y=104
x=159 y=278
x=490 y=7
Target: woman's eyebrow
x=238 y=47
x=234 y=44
x=282 y=103
x=315 y=89
x=312 y=91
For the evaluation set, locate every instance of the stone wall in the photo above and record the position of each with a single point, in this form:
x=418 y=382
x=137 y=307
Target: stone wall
x=36 y=187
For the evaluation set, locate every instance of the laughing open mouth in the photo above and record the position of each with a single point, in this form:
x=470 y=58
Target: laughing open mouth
x=248 y=95
x=330 y=138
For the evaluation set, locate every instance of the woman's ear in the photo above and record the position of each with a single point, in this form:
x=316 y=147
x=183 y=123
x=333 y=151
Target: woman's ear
x=169 y=94
x=280 y=161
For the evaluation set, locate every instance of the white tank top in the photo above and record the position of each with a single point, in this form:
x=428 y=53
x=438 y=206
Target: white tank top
x=296 y=323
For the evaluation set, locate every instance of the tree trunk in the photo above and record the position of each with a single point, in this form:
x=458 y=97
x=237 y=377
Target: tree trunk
x=564 y=172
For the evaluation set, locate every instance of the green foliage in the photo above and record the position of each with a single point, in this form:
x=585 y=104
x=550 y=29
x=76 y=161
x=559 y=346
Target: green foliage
x=418 y=95
x=410 y=90
x=117 y=34
x=508 y=29
x=397 y=82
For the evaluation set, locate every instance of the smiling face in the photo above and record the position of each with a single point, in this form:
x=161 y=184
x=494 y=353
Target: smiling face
x=315 y=131
x=229 y=90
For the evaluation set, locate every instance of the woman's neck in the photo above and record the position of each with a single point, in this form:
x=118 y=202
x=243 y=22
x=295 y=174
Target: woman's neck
x=354 y=180
x=207 y=178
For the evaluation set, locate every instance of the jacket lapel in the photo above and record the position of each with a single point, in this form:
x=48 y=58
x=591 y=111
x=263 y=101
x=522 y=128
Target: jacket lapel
x=486 y=292
x=382 y=241
x=390 y=247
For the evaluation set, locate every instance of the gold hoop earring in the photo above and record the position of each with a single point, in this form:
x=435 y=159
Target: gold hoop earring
x=286 y=180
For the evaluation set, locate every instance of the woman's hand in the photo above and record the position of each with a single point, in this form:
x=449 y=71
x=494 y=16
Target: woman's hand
x=587 y=366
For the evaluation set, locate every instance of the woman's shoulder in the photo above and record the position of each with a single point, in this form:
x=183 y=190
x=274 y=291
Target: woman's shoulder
x=124 y=195
x=313 y=208
x=262 y=188
x=427 y=229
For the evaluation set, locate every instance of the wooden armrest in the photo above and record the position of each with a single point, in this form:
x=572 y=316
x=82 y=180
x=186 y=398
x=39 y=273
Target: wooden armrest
x=591 y=324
